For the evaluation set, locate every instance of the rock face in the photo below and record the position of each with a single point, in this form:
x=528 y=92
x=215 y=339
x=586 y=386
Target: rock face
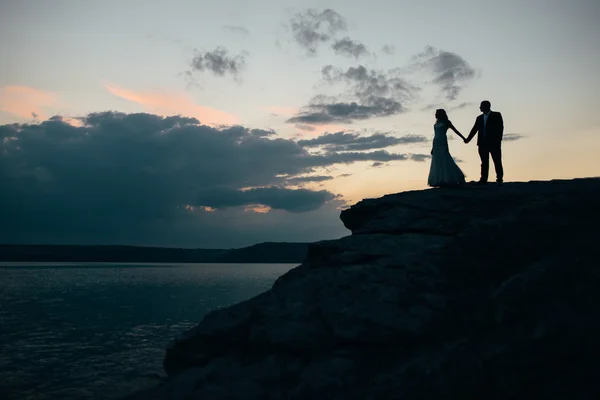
x=479 y=292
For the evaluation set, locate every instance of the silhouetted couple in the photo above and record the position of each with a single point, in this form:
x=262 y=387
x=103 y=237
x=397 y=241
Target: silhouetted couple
x=488 y=126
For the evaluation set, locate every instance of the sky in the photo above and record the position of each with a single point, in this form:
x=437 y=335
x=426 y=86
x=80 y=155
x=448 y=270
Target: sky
x=224 y=124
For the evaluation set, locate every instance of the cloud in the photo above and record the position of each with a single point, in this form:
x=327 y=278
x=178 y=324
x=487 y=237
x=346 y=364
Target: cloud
x=146 y=179
x=420 y=157
x=350 y=48
x=23 y=101
x=451 y=71
x=373 y=94
x=368 y=84
x=190 y=79
x=169 y=103
x=461 y=105
x=304 y=127
x=387 y=49
x=342 y=141
x=237 y=29
x=512 y=137
x=377 y=164
x=450 y=108
x=276 y=198
x=303 y=130
x=346 y=112
x=311 y=28
x=304 y=179
x=262 y=133
x=351 y=157
x=219 y=62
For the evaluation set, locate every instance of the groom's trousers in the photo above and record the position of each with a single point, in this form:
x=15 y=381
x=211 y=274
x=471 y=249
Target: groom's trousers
x=493 y=149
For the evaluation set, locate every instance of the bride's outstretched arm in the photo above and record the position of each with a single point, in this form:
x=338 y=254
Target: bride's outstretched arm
x=457 y=132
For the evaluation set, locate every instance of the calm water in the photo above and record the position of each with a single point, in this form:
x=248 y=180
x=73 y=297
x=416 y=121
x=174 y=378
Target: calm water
x=97 y=331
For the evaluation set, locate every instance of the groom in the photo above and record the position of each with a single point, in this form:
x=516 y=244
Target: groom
x=490 y=127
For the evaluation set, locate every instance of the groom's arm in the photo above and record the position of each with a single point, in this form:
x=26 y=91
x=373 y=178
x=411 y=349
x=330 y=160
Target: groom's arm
x=500 y=125
x=473 y=131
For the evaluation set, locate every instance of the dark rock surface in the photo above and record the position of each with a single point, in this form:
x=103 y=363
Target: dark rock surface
x=479 y=292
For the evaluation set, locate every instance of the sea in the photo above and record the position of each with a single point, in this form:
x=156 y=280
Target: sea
x=99 y=331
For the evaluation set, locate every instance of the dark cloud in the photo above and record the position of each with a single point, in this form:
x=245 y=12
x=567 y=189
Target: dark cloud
x=292 y=200
x=367 y=84
x=350 y=48
x=387 y=49
x=136 y=178
x=237 y=29
x=451 y=71
x=311 y=28
x=374 y=94
x=342 y=141
x=346 y=112
x=351 y=157
x=219 y=62
x=262 y=132
x=420 y=157
x=512 y=136
x=304 y=179
x=377 y=164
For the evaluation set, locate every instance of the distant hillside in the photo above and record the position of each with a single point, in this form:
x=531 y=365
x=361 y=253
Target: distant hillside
x=260 y=253
x=266 y=253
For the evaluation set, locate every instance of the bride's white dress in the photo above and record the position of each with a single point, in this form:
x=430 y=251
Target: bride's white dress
x=443 y=171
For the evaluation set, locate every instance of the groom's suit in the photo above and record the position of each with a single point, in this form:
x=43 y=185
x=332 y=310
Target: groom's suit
x=490 y=129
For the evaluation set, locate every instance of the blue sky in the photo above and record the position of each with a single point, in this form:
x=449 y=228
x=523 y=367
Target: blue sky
x=247 y=64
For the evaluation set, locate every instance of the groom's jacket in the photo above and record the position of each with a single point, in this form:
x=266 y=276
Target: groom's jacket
x=492 y=132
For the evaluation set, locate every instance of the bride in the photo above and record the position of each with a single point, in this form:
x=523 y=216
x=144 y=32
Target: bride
x=444 y=171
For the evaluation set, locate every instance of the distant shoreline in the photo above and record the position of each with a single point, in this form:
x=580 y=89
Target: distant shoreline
x=91 y=264
x=263 y=253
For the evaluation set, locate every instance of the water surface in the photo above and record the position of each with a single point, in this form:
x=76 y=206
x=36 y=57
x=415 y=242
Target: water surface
x=96 y=331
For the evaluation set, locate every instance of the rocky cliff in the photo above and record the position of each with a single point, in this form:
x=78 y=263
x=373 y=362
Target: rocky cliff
x=479 y=292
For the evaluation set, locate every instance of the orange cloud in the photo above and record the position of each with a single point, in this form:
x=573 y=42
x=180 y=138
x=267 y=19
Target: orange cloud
x=24 y=101
x=174 y=104
x=257 y=208
x=72 y=121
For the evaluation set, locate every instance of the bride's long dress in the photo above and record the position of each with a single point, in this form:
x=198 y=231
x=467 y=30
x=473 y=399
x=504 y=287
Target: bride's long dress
x=443 y=171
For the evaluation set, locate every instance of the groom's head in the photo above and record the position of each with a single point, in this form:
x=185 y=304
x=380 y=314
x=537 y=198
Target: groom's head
x=485 y=106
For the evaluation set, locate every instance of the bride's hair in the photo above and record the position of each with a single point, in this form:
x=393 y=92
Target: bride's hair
x=441 y=115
